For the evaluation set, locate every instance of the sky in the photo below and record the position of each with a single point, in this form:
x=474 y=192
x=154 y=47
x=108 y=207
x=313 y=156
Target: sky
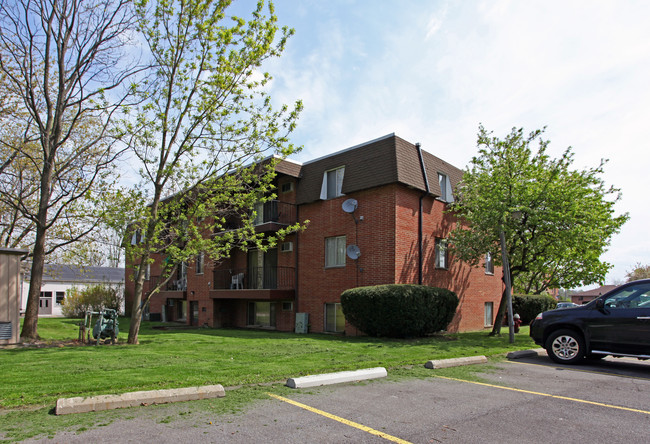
x=432 y=71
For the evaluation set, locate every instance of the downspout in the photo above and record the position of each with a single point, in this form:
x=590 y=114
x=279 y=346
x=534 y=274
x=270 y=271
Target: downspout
x=296 y=256
x=420 y=219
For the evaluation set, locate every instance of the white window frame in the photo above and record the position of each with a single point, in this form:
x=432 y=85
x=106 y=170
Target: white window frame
x=441 y=254
x=489 y=264
x=446 y=193
x=335 y=251
x=488 y=314
x=339 y=322
x=324 y=191
x=200 y=263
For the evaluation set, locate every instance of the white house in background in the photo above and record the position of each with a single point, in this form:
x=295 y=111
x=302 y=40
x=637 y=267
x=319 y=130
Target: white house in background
x=57 y=279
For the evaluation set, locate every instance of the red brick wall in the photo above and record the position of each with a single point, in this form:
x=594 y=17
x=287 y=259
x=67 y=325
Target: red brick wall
x=385 y=228
x=373 y=233
x=388 y=239
x=472 y=285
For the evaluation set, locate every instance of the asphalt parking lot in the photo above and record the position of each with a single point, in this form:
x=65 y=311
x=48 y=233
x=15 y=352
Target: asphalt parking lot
x=527 y=400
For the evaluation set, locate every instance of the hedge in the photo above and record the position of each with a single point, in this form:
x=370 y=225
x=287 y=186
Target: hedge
x=530 y=305
x=399 y=310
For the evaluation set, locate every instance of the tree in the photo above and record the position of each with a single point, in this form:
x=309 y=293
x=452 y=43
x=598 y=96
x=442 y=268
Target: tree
x=557 y=221
x=205 y=115
x=63 y=60
x=638 y=272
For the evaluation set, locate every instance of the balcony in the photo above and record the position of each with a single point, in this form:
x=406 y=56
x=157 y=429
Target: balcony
x=176 y=286
x=273 y=215
x=260 y=283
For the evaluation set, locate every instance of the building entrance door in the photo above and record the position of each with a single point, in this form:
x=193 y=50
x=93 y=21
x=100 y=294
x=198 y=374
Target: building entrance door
x=45 y=303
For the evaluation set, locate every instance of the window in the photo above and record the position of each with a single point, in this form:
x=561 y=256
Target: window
x=137 y=237
x=259 y=213
x=489 y=264
x=147 y=272
x=334 y=319
x=335 y=251
x=442 y=258
x=634 y=296
x=261 y=314
x=287 y=187
x=287 y=306
x=488 y=313
x=332 y=183
x=199 y=263
x=445 y=188
x=60 y=296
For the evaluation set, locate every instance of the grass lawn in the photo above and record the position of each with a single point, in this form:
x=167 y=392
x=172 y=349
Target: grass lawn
x=177 y=357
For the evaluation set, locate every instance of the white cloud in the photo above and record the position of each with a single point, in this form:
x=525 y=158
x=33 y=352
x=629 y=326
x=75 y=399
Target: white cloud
x=432 y=71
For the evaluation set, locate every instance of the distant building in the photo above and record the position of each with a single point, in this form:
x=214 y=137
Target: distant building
x=587 y=296
x=377 y=215
x=58 y=279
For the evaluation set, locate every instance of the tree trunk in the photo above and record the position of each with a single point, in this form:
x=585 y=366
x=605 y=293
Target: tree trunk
x=137 y=307
x=30 y=324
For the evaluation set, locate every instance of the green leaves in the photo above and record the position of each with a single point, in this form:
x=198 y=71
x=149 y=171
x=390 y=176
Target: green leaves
x=566 y=216
x=203 y=126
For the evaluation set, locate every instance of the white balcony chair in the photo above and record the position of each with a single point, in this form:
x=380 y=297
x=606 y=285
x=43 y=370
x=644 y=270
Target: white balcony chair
x=237 y=281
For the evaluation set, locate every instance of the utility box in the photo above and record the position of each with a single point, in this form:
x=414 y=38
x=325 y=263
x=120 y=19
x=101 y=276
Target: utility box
x=302 y=322
x=10 y=285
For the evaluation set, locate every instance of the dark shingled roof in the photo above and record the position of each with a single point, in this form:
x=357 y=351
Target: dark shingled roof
x=289 y=168
x=389 y=159
x=71 y=273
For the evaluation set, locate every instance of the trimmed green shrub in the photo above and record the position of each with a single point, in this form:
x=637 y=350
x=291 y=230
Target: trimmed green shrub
x=530 y=305
x=399 y=310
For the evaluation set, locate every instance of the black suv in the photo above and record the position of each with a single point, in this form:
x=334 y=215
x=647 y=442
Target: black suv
x=617 y=323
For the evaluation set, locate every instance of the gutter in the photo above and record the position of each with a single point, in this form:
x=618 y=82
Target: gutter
x=420 y=221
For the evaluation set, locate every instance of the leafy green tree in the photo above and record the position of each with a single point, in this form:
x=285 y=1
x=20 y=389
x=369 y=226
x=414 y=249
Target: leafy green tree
x=205 y=115
x=638 y=272
x=64 y=61
x=557 y=221
x=92 y=298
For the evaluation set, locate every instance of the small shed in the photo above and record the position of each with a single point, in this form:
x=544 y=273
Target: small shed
x=10 y=284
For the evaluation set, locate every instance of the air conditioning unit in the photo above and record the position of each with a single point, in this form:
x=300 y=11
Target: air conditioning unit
x=286 y=247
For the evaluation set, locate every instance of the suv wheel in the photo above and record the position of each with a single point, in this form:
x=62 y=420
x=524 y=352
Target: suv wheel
x=565 y=347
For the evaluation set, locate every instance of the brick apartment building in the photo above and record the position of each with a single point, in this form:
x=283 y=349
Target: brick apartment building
x=376 y=215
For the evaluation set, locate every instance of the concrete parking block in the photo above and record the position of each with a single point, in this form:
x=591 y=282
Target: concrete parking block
x=336 y=378
x=455 y=362
x=519 y=354
x=66 y=406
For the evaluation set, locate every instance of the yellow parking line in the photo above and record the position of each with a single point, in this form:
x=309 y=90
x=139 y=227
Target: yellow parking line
x=339 y=419
x=566 y=398
x=583 y=371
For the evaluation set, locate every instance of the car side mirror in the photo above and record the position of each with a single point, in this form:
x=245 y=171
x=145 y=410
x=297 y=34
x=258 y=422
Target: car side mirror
x=600 y=304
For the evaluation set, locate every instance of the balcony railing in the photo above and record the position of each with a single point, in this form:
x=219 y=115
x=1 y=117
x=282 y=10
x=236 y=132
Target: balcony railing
x=257 y=278
x=275 y=211
x=173 y=284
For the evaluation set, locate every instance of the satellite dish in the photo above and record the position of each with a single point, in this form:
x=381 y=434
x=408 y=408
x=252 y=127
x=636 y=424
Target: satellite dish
x=353 y=252
x=349 y=205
